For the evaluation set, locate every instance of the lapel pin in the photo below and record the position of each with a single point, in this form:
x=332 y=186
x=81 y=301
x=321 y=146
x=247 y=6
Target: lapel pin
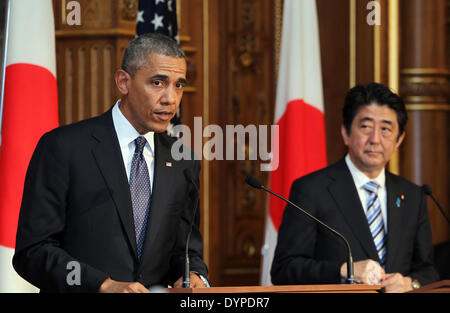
x=169 y=164
x=399 y=200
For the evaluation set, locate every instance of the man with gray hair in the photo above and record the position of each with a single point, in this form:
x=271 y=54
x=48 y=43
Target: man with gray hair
x=105 y=206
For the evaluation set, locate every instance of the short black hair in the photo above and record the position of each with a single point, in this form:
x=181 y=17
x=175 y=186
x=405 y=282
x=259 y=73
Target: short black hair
x=137 y=51
x=373 y=93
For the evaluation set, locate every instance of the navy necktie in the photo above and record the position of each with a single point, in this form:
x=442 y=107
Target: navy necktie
x=140 y=190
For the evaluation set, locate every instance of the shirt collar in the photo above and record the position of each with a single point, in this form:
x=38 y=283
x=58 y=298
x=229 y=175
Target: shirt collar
x=360 y=178
x=126 y=133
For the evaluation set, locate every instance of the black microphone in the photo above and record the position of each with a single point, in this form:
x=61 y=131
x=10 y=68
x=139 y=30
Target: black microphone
x=187 y=279
x=427 y=190
x=255 y=183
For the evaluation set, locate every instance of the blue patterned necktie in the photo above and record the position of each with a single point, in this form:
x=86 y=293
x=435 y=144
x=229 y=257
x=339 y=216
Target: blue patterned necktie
x=375 y=220
x=140 y=190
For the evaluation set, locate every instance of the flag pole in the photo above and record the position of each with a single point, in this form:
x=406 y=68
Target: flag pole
x=5 y=49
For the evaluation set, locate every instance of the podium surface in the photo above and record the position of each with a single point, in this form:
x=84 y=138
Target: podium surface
x=341 y=288
x=442 y=286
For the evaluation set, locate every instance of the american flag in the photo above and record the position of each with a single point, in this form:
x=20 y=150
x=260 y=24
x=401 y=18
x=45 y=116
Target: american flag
x=159 y=16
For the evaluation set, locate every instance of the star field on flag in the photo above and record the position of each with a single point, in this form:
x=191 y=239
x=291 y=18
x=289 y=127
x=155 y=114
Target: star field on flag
x=157 y=16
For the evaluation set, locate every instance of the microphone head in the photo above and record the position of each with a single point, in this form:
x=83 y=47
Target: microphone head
x=427 y=189
x=252 y=181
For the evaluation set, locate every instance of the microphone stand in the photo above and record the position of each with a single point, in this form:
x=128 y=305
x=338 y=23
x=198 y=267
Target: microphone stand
x=427 y=189
x=350 y=272
x=187 y=278
x=187 y=274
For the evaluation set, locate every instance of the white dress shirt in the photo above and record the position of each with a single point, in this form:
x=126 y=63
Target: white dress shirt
x=360 y=179
x=126 y=134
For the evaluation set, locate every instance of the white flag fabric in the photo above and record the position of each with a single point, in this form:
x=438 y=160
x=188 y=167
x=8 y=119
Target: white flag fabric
x=30 y=109
x=299 y=112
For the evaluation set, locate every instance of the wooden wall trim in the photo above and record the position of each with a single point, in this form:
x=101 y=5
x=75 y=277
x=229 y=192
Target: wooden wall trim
x=206 y=119
x=425 y=89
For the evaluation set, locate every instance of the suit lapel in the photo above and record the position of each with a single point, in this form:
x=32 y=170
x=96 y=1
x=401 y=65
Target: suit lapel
x=109 y=160
x=162 y=184
x=344 y=192
x=395 y=213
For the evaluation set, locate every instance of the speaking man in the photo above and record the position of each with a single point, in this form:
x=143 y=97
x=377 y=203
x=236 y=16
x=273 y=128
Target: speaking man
x=105 y=193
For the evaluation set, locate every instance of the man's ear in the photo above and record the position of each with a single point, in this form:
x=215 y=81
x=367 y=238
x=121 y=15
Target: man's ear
x=344 y=134
x=400 y=140
x=122 y=79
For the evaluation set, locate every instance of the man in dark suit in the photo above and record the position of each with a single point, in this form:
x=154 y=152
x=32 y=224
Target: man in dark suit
x=383 y=216
x=104 y=199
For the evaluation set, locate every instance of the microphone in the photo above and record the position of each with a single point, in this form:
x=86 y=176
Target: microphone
x=188 y=173
x=255 y=183
x=427 y=190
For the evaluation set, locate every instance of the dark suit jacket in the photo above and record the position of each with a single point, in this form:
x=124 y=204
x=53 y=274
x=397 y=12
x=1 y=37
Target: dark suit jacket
x=308 y=253
x=76 y=206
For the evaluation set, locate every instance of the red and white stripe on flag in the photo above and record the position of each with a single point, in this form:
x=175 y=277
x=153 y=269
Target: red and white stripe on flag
x=30 y=109
x=299 y=113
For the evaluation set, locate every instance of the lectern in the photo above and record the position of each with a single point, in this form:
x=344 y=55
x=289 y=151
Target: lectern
x=437 y=287
x=341 y=288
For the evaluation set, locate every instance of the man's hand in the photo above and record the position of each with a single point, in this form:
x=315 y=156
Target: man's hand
x=396 y=282
x=196 y=282
x=112 y=286
x=365 y=272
